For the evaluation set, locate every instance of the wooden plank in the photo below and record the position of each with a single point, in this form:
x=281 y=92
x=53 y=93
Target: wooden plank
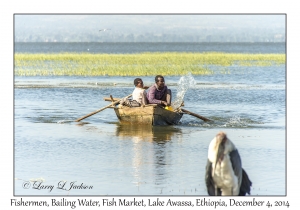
x=109 y=99
x=147 y=115
x=135 y=115
x=147 y=110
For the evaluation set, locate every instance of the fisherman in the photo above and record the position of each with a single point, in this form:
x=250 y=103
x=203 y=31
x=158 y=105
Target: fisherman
x=139 y=93
x=159 y=93
x=139 y=96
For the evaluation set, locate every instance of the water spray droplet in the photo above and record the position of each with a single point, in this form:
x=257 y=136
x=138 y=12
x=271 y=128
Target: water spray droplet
x=185 y=82
x=64 y=121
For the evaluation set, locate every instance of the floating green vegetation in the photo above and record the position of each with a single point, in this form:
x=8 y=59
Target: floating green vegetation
x=142 y=64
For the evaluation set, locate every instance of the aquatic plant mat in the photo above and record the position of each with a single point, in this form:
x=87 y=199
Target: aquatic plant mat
x=141 y=64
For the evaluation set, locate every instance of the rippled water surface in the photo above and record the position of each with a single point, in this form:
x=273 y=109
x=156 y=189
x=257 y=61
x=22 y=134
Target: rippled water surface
x=117 y=47
x=249 y=104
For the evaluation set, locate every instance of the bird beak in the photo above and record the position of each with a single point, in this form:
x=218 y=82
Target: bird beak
x=220 y=153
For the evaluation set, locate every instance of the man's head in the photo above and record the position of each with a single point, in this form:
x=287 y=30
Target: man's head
x=160 y=81
x=138 y=82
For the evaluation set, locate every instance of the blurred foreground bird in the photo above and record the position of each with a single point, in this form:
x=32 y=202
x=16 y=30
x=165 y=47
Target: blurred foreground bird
x=224 y=172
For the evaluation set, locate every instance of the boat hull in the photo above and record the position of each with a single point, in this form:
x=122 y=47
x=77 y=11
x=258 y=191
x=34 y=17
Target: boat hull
x=152 y=115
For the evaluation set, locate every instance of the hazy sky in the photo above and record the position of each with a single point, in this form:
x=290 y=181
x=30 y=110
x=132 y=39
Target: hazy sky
x=142 y=24
x=150 y=21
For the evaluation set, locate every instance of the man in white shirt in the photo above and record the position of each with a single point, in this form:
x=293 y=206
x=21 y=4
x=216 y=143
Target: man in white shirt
x=139 y=93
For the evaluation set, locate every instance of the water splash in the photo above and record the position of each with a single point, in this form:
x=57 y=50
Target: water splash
x=185 y=82
x=64 y=121
x=236 y=121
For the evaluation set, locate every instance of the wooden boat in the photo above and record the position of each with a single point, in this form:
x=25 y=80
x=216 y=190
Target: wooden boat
x=151 y=114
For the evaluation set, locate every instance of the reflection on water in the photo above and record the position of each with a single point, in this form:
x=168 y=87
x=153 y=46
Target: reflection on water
x=147 y=132
x=156 y=141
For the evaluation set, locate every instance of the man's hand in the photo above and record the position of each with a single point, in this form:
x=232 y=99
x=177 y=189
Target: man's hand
x=164 y=103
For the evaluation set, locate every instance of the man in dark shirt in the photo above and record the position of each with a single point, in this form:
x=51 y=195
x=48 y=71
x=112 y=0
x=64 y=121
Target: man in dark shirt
x=159 y=92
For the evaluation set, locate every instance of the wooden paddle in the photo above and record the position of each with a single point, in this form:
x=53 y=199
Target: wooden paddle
x=195 y=115
x=108 y=106
x=109 y=99
x=99 y=110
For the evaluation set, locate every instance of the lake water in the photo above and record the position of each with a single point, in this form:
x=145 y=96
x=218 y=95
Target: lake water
x=116 y=47
x=249 y=104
